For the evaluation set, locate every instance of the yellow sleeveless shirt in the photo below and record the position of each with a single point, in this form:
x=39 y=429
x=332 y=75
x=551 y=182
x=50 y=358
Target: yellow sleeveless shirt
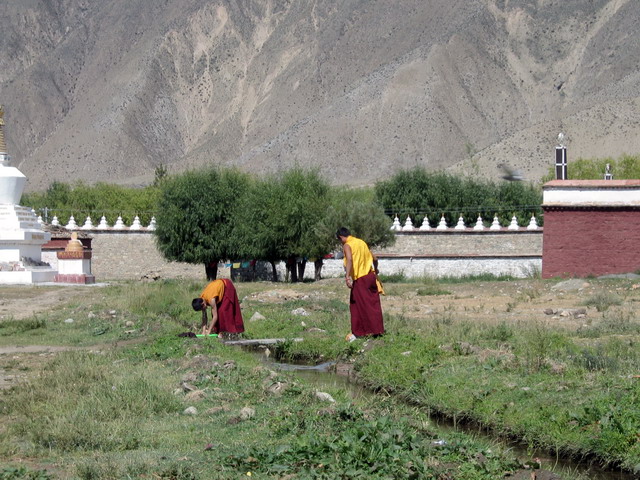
x=361 y=256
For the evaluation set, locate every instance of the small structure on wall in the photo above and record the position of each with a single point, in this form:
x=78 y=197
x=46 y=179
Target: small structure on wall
x=591 y=227
x=74 y=263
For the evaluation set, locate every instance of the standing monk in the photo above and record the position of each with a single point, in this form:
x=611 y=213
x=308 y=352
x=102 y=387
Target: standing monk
x=226 y=316
x=361 y=268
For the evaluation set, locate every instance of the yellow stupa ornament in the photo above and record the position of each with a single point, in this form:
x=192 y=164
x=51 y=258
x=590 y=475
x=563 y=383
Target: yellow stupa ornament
x=74 y=244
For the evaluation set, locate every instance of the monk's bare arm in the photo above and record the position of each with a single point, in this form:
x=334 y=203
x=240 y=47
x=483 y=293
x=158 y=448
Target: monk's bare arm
x=214 y=315
x=349 y=266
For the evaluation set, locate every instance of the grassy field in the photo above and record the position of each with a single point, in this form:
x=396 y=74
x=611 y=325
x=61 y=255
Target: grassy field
x=551 y=363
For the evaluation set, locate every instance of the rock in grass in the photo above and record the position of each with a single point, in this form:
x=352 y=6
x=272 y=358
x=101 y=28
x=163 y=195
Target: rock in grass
x=325 y=397
x=277 y=388
x=190 y=411
x=195 y=396
x=315 y=330
x=246 y=413
x=572 y=284
x=256 y=317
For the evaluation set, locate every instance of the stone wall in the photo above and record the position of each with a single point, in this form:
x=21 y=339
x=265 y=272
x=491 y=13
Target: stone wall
x=133 y=255
x=124 y=255
x=468 y=242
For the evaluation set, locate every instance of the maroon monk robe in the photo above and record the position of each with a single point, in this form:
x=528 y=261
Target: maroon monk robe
x=366 y=311
x=229 y=314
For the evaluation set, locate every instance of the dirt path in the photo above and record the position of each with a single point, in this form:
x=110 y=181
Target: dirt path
x=24 y=301
x=18 y=302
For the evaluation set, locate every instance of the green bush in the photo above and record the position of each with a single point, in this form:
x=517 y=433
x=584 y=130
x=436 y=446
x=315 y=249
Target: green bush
x=82 y=200
x=22 y=473
x=418 y=192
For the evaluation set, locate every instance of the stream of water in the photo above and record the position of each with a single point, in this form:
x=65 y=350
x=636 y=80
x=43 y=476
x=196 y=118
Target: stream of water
x=322 y=378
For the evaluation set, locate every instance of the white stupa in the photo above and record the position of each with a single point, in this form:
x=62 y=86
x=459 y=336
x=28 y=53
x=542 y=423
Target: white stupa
x=21 y=236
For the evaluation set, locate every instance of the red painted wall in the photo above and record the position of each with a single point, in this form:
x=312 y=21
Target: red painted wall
x=580 y=243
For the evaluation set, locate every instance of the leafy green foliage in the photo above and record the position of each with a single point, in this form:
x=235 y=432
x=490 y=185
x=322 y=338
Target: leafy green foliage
x=623 y=168
x=82 y=200
x=278 y=218
x=359 y=449
x=350 y=446
x=197 y=213
x=22 y=473
x=358 y=212
x=418 y=192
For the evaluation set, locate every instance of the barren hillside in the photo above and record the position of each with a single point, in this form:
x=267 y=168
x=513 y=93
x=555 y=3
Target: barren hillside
x=109 y=90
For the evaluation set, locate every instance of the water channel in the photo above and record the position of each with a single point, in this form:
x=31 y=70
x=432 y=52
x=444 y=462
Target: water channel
x=323 y=378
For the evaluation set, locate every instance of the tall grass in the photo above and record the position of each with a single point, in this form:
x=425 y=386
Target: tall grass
x=82 y=401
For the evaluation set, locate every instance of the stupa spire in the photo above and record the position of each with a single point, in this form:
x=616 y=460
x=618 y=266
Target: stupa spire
x=3 y=145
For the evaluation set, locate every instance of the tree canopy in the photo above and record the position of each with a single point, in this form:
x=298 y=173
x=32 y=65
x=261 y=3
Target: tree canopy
x=278 y=217
x=418 y=193
x=196 y=216
x=80 y=199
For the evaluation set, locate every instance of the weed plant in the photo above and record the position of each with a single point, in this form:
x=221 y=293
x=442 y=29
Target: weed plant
x=11 y=327
x=602 y=301
x=23 y=473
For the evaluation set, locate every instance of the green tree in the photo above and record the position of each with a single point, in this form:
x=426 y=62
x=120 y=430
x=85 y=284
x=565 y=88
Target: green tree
x=418 y=193
x=196 y=216
x=356 y=210
x=278 y=219
x=80 y=200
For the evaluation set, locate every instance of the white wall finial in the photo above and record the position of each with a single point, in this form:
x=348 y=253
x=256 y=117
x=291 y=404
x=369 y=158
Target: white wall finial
x=495 y=225
x=514 y=224
x=408 y=225
x=88 y=224
x=136 y=224
x=72 y=225
x=103 y=225
x=443 y=224
x=119 y=224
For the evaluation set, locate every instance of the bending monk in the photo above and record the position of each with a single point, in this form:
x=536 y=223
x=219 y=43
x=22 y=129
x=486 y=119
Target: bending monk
x=226 y=316
x=361 y=268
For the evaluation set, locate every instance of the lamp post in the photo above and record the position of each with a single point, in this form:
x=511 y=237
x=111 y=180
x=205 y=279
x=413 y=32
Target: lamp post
x=561 y=158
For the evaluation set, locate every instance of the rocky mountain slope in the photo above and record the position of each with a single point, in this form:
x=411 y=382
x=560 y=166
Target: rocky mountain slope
x=109 y=90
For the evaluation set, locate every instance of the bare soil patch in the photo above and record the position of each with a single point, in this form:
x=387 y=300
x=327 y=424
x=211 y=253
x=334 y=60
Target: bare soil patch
x=24 y=301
